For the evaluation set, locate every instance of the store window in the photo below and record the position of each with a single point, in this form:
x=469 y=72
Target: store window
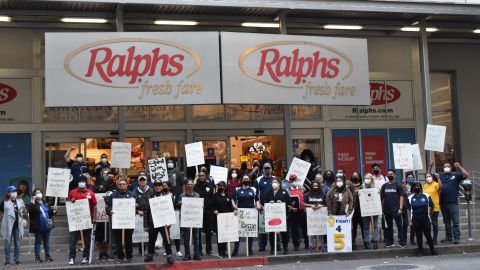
x=167 y=149
x=208 y=112
x=311 y=144
x=306 y=112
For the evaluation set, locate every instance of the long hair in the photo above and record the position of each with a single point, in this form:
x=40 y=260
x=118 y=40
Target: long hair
x=308 y=153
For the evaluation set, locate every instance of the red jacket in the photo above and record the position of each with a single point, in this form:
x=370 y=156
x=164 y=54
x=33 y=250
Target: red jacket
x=297 y=193
x=77 y=194
x=232 y=186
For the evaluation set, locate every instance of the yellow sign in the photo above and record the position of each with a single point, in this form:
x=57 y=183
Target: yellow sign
x=243 y=158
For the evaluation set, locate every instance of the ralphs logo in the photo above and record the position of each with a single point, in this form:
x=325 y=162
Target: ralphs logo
x=292 y=63
x=381 y=96
x=7 y=93
x=125 y=62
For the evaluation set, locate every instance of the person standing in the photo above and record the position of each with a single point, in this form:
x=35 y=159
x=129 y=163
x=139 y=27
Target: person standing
x=433 y=188
x=307 y=155
x=256 y=170
x=190 y=193
x=206 y=190
x=175 y=178
x=167 y=191
x=222 y=204
x=41 y=214
x=100 y=168
x=23 y=190
x=12 y=212
x=316 y=199
x=278 y=195
x=372 y=220
x=328 y=178
x=80 y=193
x=263 y=185
x=77 y=167
x=233 y=182
x=407 y=185
x=356 y=183
x=245 y=197
x=101 y=233
x=339 y=198
x=297 y=217
x=392 y=196
x=143 y=192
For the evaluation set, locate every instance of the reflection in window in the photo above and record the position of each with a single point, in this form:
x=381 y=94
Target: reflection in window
x=304 y=112
x=208 y=112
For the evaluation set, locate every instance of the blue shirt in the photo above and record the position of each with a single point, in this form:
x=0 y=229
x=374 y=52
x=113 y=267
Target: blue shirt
x=245 y=197
x=419 y=205
x=264 y=185
x=390 y=194
x=43 y=219
x=450 y=186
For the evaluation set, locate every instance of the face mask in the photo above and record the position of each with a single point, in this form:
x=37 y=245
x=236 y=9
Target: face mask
x=315 y=189
x=391 y=178
x=170 y=165
x=38 y=196
x=13 y=195
x=355 y=179
x=275 y=186
x=447 y=169
x=165 y=191
x=104 y=160
x=410 y=180
x=376 y=171
x=368 y=181
x=416 y=189
x=429 y=179
x=82 y=184
x=329 y=176
x=339 y=184
x=246 y=183
x=79 y=159
x=234 y=175
x=220 y=189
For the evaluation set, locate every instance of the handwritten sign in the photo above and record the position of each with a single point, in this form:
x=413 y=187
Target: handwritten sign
x=139 y=234
x=78 y=215
x=175 y=228
x=218 y=173
x=158 y=169
x=101 y=212
x=435 y=138
x=402 y=155
x=121 y=153
x=57 y=182
x=300 y=168
x=194 y=154
x=339 y=234
x=227 y=224
x=247 y=222
x=123 y=216
x=162 y=211
x=275 y=217
x=317 y=221
x=417 y=157
x=370 y=202
x=191 y=213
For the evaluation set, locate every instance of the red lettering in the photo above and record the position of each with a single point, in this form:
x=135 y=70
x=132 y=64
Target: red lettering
x=98 y=65
x=138 y=59
x=333 y=68
x=263 y=63
x=176 y=64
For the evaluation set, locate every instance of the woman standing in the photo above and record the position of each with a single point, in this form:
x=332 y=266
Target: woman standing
x=278 y=195
x=357 y=215
x=368 y=182
x=233 y=182
x=222 y=204
x=339 y=198
x=41 y=223
x=244 y=197
x=433 y=188
x=12 y=211
x=315 y=199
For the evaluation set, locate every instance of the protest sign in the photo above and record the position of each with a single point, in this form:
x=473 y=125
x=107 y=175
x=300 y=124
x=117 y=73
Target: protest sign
x=194 y=154
x=123 y=216
x=218 y=173
x=300 y=168
x=227 y=227
x=247 y=222
x=158 y=169
x=402 y=155
x=275 y=217
x=139 y=234
x=317 y=221
x=162 y=211
x=339 y=234
x=58 y=181
x=435 y=138
x=175 y=228
x=101 y=211
x=78 y=215
x=191 y=213
x=121 y=153
x=370 y=202
x=417 y=157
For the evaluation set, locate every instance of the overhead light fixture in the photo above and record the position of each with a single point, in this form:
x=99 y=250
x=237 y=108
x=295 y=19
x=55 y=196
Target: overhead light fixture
x=83 y=20
x=343 y=27
x=416 y=29
x=260 y=24
x=5 y=19
x=476 y=31
x=163 y=22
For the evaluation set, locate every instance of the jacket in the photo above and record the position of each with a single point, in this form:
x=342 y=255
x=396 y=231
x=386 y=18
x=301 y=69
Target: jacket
x=35 y=214
x=346 y=201
x=9 y=218
x=143 y=196
x=147 y=212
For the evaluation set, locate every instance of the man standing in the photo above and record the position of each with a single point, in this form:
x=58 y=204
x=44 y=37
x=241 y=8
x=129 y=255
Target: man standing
x=263 y=185
x=392 y=196
x=174 y=177
x=377 y=176
x=206 y=190
x=77 y=167
x=143 y=192
x=100 y=168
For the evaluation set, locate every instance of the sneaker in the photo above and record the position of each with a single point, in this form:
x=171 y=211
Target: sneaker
x=119 y=261
x=48 y=258
x=455 y=242
x=38 y=259
x=84 y=261
x=165 y=254
x=18 y=263
x=7 y=263
x=187 y=258
x=389 y=245
x=446 y=240
x=179 y=254
x=375 y=245
x=402 y=245
x=71 y=262
x=366 y=245
x=129 y=260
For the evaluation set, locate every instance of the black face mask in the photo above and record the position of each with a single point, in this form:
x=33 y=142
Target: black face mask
x=417 y=190
x=246 y=183
x=376 y=171
x=329 y=177
x=355 y=179
x=165 y=191
x=391 y=178
x=220 y=189
x=315 y=190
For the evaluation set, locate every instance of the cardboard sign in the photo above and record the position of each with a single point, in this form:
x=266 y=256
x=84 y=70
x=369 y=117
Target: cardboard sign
x=194 y=154
x=139 y=234
x=58 y=181
x=300 y=168
x=191 y=215
x=158 y=169
x=370 y=202
x=227 y=227
x=162 y=211
x=101 y=211
x=218 y=173
x=247 y=222
x=417 y=157
x=175 y=228
x=317 y=221
x=402 y=155
x=121 y=153
x=78 y=215
x=435 y=138
x=275 y=217
x=123 y=216
x=339 y=234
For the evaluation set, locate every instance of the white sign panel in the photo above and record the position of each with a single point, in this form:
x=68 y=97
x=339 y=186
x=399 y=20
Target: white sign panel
x=139 y=234
x=435 y=138
x=118 y=69
x=194 y=154
x=101 y=211
x=158 y=169
x=417 y=157
x=15 y=100
x=317 y=221
x=275 y=217
x=78 y=215
x=370 y=202
x=123 y=216
x=247 y=222
x=162 y=211
x=191 y=215
x=300 y=168
x=58 y=181
x=402 y=155
x=339 y=234
x=279 y=69
x=218 y=173
x=175 y=228
x=227 y=227
x=121 y=154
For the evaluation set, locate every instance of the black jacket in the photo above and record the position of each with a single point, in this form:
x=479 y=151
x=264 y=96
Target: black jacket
x=206 y=191
x=147 y=212
x=281 y=195
x=35 y=214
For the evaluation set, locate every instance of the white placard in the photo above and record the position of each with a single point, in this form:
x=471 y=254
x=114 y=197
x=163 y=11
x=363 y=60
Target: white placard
x=370 y=202
x=339 y=234
x=435 y=138
x=402 y=155
x=101 y=211
x=123 y=216
x=317 y=221
x=162 y=211
x=194 y=154
x=131 y=68
x=175 y=228
x=58 y=181
x=279 y=69
x=227 y=227
x=300 y=168
x=139 y=234
x=218 y=173
x=121 y=154
x=78 y=215
x=247 y=222
x=191 y=215
x=158 y=169
x=275 y=217
x=417 y=157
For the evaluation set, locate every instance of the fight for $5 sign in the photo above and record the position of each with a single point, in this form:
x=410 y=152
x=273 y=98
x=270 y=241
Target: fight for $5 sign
x=339 y=233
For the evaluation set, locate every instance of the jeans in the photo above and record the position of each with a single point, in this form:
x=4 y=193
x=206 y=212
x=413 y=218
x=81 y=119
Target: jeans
x=250 y=244
x=16 y=245
x=366 y=227
x=45 y=237
x=74 y=237
x=389 y=230
x=196 y=241
x=405 y=225
x=435 y=226
x=451 y=215
x=422 y=227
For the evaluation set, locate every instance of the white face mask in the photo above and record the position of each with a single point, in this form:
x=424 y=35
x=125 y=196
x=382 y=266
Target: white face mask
x=79 y=159
x=447 y=169
x=170 y=165
x=234 y=175
x=38 y=196
x=82 y=184
x=368 y=181
x=339 y=184
x=275 y=186
x=104 y=160
x=13 y=195
x=429 y=179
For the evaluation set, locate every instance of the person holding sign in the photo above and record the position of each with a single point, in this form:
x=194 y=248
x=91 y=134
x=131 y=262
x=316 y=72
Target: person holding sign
x=433 y=188
x=297 y=219
x=316 y=199
x=244 y=197
x=100 y=168
x=80 y=193
x=101 y=229
x=369 y=183
x=189 y=193
x=356 y=182
x=143 y=192
x=339 y=198
x=392 y=196
x=278 y=195
x=167 y=191
x=206 y=189
x=263 y=185
x=222 y=204
x=77 y=167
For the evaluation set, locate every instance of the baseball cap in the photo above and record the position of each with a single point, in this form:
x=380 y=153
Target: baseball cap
x=11 y=188
x=292 y=176
x=141 y=177
x=158 y=182
x=267 y=165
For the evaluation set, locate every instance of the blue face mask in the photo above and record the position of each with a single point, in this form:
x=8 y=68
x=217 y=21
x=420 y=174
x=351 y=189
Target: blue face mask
x=410 y=180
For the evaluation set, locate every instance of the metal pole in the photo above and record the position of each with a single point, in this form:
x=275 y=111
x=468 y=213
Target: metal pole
x=425 y=77
x=120 y=109
x=470 y=238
